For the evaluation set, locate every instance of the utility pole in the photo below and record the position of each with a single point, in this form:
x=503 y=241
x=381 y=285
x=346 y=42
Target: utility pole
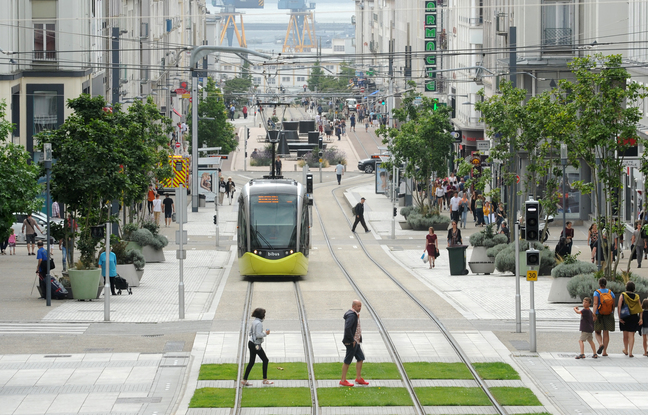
x=115 y=66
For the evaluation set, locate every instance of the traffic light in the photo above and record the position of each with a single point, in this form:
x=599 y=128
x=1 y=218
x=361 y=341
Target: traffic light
x=309 y=183
x=533 y=258
x=320 y=143
x=532 y=220
x=382 y=102
x=395 y=212
x=215 y=219
x=248 y=133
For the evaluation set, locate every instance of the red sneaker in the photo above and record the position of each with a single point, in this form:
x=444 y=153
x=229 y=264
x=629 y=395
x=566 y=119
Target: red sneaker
x=361 y=381
x=345 y=383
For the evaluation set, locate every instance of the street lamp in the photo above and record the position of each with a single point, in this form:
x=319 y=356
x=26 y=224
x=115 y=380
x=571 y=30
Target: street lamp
x=47 y=162
x=563 y=161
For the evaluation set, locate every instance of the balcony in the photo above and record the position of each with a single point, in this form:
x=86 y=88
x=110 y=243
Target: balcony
x=557 y=39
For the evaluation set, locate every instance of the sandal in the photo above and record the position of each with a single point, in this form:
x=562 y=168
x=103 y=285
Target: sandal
x=594 y=356
x=267 y=382
x=580 y=356
x=245 y=383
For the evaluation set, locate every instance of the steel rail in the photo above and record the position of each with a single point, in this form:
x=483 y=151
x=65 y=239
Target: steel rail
x=242 y=348
x=308 y=348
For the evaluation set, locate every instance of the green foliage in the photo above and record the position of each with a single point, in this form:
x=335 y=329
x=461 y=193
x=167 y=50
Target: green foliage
x=126 y=256
x=153 y=227
x=419 y=222
x=275 y=397
x=216 y=132
x=128 y=229
x=584 y=285
x=437 y=370
x=568 y=270
x=321 y=82
x=370 y=370
x=496 y=371
x=229 y=371
x=505 y=259
x=494 y=251
x=237 y=85
x=330 y=157
x=487 y=238
x=18 y=178
x=365 y=396
x=423 y=139
x=508 y=396
x=213 y=398
x=406 y=211
x=451 y=396
x=144 y=237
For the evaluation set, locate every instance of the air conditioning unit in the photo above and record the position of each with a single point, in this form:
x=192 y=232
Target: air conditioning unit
x=373 y=46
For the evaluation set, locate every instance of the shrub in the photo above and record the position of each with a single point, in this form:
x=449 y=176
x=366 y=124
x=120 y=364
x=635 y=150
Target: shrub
x=487 y=238
x=420 y=222
x=135 y=257
x=568 y=270
x=334 y=156
x=312 y=159
x=145 y=237
x=407 y=210
x=127 y=256
x=492 y=252
x=128 y=229
x=505 y=259
x=584 y=285
x=151 y=226
x=261 y=158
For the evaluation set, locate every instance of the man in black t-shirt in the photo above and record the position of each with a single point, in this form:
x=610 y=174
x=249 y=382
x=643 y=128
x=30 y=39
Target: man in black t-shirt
x=169 y=208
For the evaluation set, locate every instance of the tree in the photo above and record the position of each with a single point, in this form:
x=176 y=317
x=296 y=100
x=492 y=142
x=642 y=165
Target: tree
x=214 y=132
x=320 y=82
x=240 y=85
x=423 y=141
x=19 y=186
x=316 y=78
x=605 y=107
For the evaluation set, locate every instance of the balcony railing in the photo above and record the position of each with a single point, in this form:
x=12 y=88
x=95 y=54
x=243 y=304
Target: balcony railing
x=560 y=37
x=42 y=55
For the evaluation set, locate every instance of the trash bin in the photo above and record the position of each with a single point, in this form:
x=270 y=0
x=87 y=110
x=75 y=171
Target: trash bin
x=457 y=258
x=202 y=199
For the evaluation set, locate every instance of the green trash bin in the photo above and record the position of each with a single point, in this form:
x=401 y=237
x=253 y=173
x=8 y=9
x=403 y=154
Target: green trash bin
x=457 y=258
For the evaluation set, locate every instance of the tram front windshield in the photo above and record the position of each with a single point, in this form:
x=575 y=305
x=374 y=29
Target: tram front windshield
x=273 y=221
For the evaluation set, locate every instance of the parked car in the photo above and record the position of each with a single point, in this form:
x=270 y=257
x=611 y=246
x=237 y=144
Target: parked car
x=369 y=165
x=41 y=220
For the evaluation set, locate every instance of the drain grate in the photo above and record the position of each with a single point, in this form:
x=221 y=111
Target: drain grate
x=98 y=350
x=139 y=400
x=58 y=355
x=152 y=335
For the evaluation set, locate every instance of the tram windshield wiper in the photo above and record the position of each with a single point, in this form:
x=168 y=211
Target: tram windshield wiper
x=262 y=238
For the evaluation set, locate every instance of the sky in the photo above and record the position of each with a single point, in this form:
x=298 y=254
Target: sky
x=326 y=11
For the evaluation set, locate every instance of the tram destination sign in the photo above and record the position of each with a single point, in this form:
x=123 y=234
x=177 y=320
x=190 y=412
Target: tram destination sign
x=430 y=39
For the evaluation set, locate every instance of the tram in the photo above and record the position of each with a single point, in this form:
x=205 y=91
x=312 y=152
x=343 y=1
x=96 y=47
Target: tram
x=273 y=231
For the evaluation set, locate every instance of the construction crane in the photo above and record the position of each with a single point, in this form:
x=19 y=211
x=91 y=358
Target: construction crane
x=229 y=15
x=300 y=36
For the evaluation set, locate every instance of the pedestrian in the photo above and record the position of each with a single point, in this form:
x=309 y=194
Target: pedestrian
x=338 y=131
x=586 y=328
x=3 y=246
x=339 y=171
x=230 y=188
x=603 y=316
x=352 y=341
x=358 y=211
x=41 y=267
x=245 y=111
x=473 y=201
x=353 y=122
x=112 y=269
x=464 y=208
x=479 y=207
x=592 y=240
x=12 y=242
x=29 y=230
x=56 y=210
x=150 y=197
x=455 y=201
x=630 y=316
x=256 y=335
x=506 y=231
x=643 y=328
x=278 y=166
x=169 y=208
x=222 y=189
x=487 y=211
x=367 y=125
x=157 y=209
x=432 y=246
x=454 y=235
x=637 y=243
x=439 y=192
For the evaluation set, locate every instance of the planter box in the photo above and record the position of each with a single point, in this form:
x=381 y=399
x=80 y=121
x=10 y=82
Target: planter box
x=558 y=292
x=129 y=273
x=480 y=263
x=437 y=227
x=405 y=225
x=85 y=284
x=150 y=255
x=140 y=273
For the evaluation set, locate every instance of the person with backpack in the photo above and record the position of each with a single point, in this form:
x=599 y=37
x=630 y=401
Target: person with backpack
x=603 y=316
x=358 y=211
x=630 y=317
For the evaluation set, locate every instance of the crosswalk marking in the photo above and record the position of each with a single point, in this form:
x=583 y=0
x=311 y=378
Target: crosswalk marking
x=43 y=328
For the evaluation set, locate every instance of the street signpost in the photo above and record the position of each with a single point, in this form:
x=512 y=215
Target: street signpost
x=483 y=145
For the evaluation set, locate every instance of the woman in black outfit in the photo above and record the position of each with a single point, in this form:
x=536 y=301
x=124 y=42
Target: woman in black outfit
x=254 y=345
x=629 y=324
x=454 y=235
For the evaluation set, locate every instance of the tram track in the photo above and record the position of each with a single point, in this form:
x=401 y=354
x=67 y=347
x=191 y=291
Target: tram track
x=383 y=331
x=306 y=339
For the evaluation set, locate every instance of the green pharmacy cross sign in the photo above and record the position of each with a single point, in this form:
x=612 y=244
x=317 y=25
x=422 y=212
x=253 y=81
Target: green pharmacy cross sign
x=430 y=45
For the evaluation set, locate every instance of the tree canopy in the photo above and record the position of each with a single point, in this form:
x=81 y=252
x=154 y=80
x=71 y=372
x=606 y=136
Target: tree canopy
x=321 y=82
x=216 y=131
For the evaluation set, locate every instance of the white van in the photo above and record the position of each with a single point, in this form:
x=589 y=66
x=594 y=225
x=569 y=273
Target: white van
x=351 y=104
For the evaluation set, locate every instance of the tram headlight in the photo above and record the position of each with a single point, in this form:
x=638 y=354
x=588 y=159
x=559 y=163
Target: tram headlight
x=256 y=252
x=291 y=252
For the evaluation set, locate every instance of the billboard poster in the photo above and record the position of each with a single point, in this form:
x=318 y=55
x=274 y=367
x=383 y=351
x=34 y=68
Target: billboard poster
x=382 y=179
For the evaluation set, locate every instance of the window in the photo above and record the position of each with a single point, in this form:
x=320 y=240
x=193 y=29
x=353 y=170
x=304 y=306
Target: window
x=45 y=41
x=272 y=81
x=557 y=23
x=15 y=112
x=285 y=79
x=338 y=48
x=45 y=111
x=301 y=79
x=257 y=80
x=227 y=67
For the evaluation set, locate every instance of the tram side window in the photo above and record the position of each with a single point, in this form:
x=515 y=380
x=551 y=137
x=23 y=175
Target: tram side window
x=303 y=239
x=242 y=232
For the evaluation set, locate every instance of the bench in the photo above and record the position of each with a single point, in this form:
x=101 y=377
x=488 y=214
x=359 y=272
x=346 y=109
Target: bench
x=302 y=148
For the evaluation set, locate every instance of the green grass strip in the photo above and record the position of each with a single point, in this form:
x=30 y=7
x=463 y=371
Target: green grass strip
x=451 y=396
x=361 y=396
x=515 y=396
x=279 y=371
x=213 y=398
x=437 y=370
x=275 y=397
x=496 y=371
x=383 y=371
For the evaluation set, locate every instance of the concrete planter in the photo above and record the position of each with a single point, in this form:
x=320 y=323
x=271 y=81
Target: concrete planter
x=480 y=263
x=405 y=225
x=129 y=273
x=150 y=255
x=558 y=292
x=140 y=273
x=85 y=284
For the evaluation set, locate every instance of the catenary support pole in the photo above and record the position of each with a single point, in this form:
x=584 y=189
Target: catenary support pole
x=107 y=290
x=182 y=205
x=518 y=299
x=532 y=319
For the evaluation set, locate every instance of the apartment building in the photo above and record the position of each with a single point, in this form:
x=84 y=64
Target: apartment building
x=54 y=50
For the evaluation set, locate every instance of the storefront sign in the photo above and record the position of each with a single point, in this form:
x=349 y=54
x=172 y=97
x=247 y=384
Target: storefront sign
x=430 y=45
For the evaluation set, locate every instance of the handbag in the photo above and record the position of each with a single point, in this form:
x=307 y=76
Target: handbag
x=423 y=258
x=437 y=253
x=625 y=311
x=634 y=252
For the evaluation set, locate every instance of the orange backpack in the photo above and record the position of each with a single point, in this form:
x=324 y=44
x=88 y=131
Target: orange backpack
x=606 y=302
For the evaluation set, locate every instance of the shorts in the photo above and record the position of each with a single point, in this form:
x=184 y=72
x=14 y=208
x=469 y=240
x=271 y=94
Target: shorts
x=353 y=351
x=12 y=244
x=586 y=337
x=30 y=238
x=604 y=322
x=168 y=215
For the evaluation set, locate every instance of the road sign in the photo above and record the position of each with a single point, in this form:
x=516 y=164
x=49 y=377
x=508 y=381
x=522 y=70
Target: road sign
x=181 y=91
x=201 y=80
x=186 y=95
x=178 y=145
x=305 y=86
x=483 y=145
x=362 y=90
x=532 y=275
x=517 y=178
x=476 y=161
